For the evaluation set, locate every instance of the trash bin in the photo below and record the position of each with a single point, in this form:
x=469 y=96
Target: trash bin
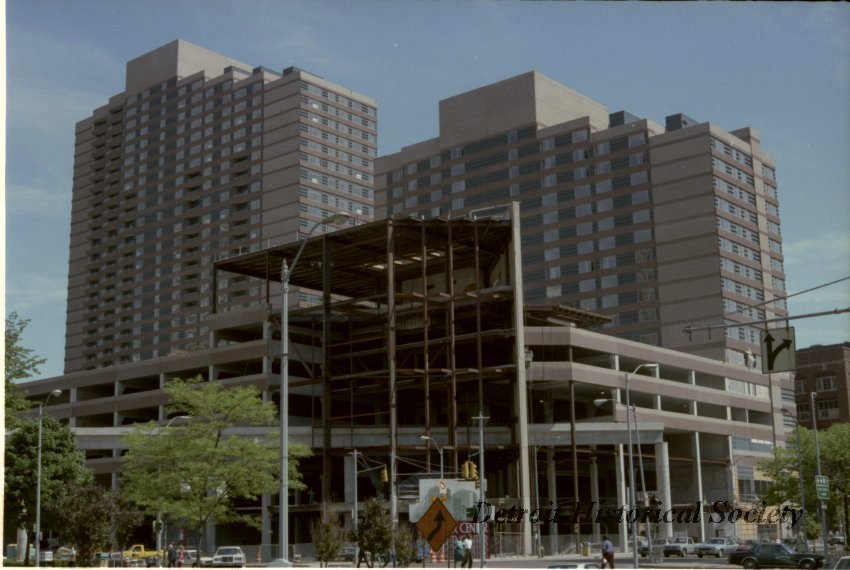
x=585 y=549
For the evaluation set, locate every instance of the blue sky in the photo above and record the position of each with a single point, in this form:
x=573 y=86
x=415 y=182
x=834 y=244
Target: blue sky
x=782 y=68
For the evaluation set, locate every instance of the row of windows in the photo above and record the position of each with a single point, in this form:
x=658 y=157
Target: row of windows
x=741 y=289
x=335 y=201
x=336 y=153
x=313 y=131
x=336 y=183
x=732 y=171
x=749 y=253
x=736 y=154
x=733 y=190
x=745 y=233
x=340 y=127
x=827 y=410
x=824 y=382
x=337 y=98
x=731 y=266
x=732 y=307
x=336 y=111
x=737 y=211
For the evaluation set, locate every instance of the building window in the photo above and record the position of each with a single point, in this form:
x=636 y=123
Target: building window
x=828 y=410
x=825 y=383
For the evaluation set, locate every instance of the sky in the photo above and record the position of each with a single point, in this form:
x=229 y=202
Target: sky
x=781 y=68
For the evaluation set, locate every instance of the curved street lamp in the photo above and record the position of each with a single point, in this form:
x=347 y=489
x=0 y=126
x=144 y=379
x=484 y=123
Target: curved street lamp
x=336 y=219
x=632 y=497
x=41 y=405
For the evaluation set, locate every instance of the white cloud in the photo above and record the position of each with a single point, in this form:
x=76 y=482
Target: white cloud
x=45 y=203
x=830 y=249
x=29 y=294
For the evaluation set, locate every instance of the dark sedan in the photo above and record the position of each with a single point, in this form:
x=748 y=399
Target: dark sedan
x=775 y=556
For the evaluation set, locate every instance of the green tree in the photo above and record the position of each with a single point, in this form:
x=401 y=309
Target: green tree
x=784 y=473
x=61 y=466
x=374 y=534
x=327 y=535
x=404 y=544
x=83 y=514
x=21 y=363
x=195 y=470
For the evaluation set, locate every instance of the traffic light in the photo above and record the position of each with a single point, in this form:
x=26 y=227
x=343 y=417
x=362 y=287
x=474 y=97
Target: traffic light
x=384 y=475
x=464 y=469
x=473 y=471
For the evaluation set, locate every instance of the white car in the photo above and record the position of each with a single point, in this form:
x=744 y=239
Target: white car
x=229 y=556
x=717 y=547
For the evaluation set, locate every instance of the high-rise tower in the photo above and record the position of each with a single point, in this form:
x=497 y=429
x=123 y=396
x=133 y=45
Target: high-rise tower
x=658 y=227
x=201 y=157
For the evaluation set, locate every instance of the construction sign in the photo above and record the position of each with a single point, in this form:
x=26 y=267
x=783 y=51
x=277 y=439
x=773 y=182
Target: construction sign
x=436 y=525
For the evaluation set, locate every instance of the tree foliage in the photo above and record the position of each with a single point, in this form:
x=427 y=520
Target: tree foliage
x=784 y=473
x=61 y=466
x=404 y=541
x=374 y=532
x=328 y=536
x=196 y=469
x=21 y=363
x=87 y=515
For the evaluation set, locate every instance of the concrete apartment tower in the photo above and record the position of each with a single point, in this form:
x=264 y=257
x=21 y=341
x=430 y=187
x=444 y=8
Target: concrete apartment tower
x=201 y=157
x=659 y=228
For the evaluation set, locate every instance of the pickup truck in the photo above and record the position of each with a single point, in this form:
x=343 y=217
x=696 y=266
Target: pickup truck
x=138 y=551
x=679 y=546
x=138 y=555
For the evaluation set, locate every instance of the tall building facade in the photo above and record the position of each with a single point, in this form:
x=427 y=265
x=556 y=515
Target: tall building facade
x=200 y=157
x=659 y=228
x=825 y=371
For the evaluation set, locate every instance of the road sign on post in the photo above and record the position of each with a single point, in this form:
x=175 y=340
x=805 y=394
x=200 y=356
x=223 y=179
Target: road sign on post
x=822 y=486
x=436 y=525
x=778 y=350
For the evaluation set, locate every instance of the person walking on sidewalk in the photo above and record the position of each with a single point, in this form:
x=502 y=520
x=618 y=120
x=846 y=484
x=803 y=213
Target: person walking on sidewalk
x=607 y=552
x=467 y=552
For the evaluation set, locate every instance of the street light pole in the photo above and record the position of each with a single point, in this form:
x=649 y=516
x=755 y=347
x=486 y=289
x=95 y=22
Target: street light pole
x=635 y=560
x=159 y=529
x=802 y=529
x=41 y=405
x=821 y=505
x=285 y=274
x=439 y=450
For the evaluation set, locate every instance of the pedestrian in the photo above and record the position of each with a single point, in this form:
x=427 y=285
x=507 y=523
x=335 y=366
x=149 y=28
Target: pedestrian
x=467 y=551
x=171 y=554
x=459 y=555
x=72 y=557
x=181 y=556
x=607 y=552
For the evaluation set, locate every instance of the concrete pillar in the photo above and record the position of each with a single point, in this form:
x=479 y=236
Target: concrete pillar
x=266 y=528
x=698 y=476
x=594 y=492
x=662 y=475
x=551 y=495
x=349 y=476
x=521 y=392
x=621 y=496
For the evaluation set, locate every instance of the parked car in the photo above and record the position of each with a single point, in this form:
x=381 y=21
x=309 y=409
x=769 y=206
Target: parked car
x=658 y=545
x=748 y=544
x=192 y=559
x=229 y=556
x=679 y=546
x=775 y=556
x=348 y=554
x=843 y=563
x=836 y=539
x=717 y=547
